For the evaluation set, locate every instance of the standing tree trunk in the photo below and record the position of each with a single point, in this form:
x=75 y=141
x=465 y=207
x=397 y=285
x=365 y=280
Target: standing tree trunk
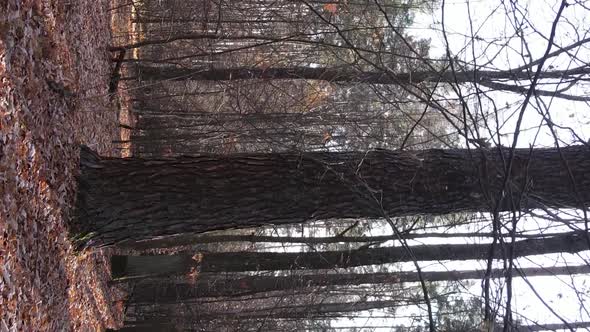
x=164 y=265
x=342 y=75
x=490 y=79
x=195 y=239
x=292 y=311
x=164 y=291
x=136 y=199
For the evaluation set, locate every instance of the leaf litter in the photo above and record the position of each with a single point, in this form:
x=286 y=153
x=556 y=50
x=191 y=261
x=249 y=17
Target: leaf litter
x=54 y=73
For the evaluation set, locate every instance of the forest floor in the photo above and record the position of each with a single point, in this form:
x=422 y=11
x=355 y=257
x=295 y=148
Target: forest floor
x=55 y=69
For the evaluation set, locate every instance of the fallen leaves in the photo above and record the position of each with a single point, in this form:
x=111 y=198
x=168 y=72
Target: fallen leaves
x=44 y=284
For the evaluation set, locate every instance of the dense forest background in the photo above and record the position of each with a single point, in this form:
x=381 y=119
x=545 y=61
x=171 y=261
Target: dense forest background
x=329 y=77
x=335 y=165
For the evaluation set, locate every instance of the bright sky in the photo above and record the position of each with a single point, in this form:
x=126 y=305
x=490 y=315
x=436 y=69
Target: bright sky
x=490 y=23
x=497 y=46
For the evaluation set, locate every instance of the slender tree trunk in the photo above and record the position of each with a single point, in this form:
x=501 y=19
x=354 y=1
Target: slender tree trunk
x=489 y=79
x=163 y=265
x=194 y=239
x=341 y=74
x=293 y=311
x=216 y=286
x=137 y=199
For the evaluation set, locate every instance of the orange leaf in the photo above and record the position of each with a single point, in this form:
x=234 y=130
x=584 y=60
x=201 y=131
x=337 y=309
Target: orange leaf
x=331 y=7
x=327 y=137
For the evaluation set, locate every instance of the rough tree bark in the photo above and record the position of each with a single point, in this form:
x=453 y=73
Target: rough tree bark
x=136 y=199
x=163 y=265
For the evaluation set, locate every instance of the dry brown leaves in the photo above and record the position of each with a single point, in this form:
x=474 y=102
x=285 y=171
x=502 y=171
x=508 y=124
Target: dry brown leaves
x=54 y=73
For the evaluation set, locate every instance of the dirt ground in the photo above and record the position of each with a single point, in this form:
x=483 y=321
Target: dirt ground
x=54 y=73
